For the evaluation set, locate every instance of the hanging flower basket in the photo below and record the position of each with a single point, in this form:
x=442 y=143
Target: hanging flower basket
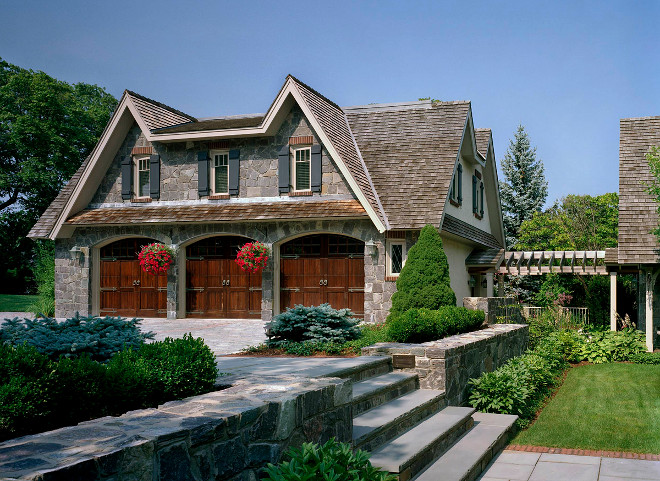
x=253 y=257
x=156 y=258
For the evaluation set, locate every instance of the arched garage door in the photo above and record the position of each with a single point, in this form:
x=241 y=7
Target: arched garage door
x=126 y=290
x=323 y=268
x=216 y=287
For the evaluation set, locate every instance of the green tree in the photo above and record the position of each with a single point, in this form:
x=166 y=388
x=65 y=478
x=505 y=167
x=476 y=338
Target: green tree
x=47 y=128
x=424 y=280
x=524 y=188
x=653 y=158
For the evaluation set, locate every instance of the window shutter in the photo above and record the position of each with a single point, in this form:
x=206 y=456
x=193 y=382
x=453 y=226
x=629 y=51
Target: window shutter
x=317 y=173
x=283 y=169
x=234 y=171
x=126 y=177
x=481 y=200
x=475 y=207
x=154 y=176
x=203 y=173
x=460 y=183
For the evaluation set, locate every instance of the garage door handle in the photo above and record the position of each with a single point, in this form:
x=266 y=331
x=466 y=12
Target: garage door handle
x=112 y=289
x=291 y=289
x=356 y=289
x=196 y=289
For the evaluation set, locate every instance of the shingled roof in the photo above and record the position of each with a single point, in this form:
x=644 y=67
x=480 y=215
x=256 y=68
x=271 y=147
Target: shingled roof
x=482 y=137
x=158 y=115
x=410 y=152
x=637 y=209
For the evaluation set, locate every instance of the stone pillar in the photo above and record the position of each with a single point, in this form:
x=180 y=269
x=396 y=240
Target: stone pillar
x=613 y=301
x=490 y=287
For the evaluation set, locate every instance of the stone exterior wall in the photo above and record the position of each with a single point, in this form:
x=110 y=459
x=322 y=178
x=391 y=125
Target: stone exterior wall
x=258 y=165
x=74 y=280
x=494 y=307
x=224 y=435
x=448 y=364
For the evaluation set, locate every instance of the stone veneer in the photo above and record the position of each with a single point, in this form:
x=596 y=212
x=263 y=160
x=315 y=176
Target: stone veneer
x=448 y=364
x=223 y=435
x=507 y=309
x=74 y=272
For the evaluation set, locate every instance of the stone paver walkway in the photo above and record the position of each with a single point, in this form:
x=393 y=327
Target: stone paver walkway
x=223 y=336
x=521 y=466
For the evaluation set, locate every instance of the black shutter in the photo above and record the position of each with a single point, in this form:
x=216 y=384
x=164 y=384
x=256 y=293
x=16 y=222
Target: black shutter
x=154 y=176
x=234 y=171
x=126 y=178
x=460 y=183
x=203 y=173
x=317 y=171
x=283 y=169
x=474 y=194
x=481 y=203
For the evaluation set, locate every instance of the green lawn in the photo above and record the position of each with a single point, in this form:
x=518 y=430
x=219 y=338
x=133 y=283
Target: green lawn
x=613 y=407
x=16 y=303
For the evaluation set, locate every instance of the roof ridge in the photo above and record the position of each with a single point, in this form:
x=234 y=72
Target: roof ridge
x=650 y=117
x=315 y=92
x=160 y=104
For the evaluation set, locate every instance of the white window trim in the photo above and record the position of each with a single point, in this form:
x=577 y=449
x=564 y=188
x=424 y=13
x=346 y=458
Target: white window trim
x=388 y=244
x=212 y=154
x=293 y=167
x=136 y=176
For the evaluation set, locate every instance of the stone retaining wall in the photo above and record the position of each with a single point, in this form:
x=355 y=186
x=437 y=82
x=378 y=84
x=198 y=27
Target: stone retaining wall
x=224 y=435
x=450 y=363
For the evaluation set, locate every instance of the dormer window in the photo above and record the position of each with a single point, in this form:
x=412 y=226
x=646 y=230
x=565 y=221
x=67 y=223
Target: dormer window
x=456 y=188
x=301 y=169
x=220 y=172
x=142 y=189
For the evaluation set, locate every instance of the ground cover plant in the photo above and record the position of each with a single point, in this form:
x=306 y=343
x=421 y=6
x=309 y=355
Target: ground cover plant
x=613 y=407
x=331 y=461
x=16 y=302
x=97 y=337
x=38 y=394
x=421 y=325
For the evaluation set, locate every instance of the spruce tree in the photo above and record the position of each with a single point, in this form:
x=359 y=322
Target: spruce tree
x=424 y=280
x=524 y=189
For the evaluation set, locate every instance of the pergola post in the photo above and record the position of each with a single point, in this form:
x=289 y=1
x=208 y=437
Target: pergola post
x=650 y=283
x=613 y=301
x=490 y=285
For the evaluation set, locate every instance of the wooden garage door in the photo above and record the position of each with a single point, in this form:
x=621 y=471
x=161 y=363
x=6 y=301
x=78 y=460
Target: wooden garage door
x=126 y=290
x=215 y=286
x=323 y=268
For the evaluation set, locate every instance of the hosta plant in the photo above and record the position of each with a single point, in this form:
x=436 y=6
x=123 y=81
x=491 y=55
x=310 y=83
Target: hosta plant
x=156 y=258
x=253 y=257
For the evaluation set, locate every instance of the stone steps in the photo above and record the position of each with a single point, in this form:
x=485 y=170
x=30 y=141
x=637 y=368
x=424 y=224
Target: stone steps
x=408 y=454
x=379 y=365
x=387 y=421
x=470 y=455
x=378 y=390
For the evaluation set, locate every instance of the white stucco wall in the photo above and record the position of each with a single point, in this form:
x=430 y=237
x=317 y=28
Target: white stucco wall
x=464 y=211
x=456 y=253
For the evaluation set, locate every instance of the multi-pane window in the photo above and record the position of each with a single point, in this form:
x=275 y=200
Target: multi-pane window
x=220 y=173
x=142 y=177
x=396 y=257
x=456 y=188
x=302 y=168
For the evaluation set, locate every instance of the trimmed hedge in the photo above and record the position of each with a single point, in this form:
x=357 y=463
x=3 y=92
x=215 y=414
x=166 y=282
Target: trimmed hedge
x=422 y=325
x=37 y=394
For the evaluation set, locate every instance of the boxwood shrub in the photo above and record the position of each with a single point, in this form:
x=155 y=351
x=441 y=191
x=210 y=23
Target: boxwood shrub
x=38 y=394
x=422 y=325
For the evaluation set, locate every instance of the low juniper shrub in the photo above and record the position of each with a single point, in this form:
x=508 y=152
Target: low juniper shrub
x=314 y=324
x=422 y=325
x=97 y=337
x=330 y=461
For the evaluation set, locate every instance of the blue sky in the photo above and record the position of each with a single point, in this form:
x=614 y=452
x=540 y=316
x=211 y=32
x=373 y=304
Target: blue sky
x=568 y=71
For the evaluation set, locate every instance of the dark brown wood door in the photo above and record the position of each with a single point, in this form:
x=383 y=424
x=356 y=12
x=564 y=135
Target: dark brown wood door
x=216 y=287
x=321 y=269
x=126 y=290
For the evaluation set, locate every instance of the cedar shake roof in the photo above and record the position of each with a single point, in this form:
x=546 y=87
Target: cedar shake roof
x=46 y=222
x=410 y=153
x=220 y=212
x=233 y=122
x=637 y=208
x=482 y=137
x=157 y=115
x=612 y=255
x=462 y=229
x=484 y=257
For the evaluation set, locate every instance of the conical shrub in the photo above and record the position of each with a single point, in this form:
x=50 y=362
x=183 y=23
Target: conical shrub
x=424 y=280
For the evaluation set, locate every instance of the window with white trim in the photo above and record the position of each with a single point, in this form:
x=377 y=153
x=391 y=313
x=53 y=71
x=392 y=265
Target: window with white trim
x=142 y=189
x=219 y=172
x=301 y=170
x=396 y=256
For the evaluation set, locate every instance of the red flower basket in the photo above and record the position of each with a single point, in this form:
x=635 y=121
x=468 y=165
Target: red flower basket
x=156 y=258
x=253 y=257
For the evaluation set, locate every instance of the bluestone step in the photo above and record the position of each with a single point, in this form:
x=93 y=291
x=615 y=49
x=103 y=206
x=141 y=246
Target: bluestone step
x=378 y=390
x=411 y=452
x=377 y=426
x=375 y=367
x=468 y=457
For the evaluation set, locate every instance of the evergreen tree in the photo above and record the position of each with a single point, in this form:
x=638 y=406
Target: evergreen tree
x=524 y=189
x=424 y=280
